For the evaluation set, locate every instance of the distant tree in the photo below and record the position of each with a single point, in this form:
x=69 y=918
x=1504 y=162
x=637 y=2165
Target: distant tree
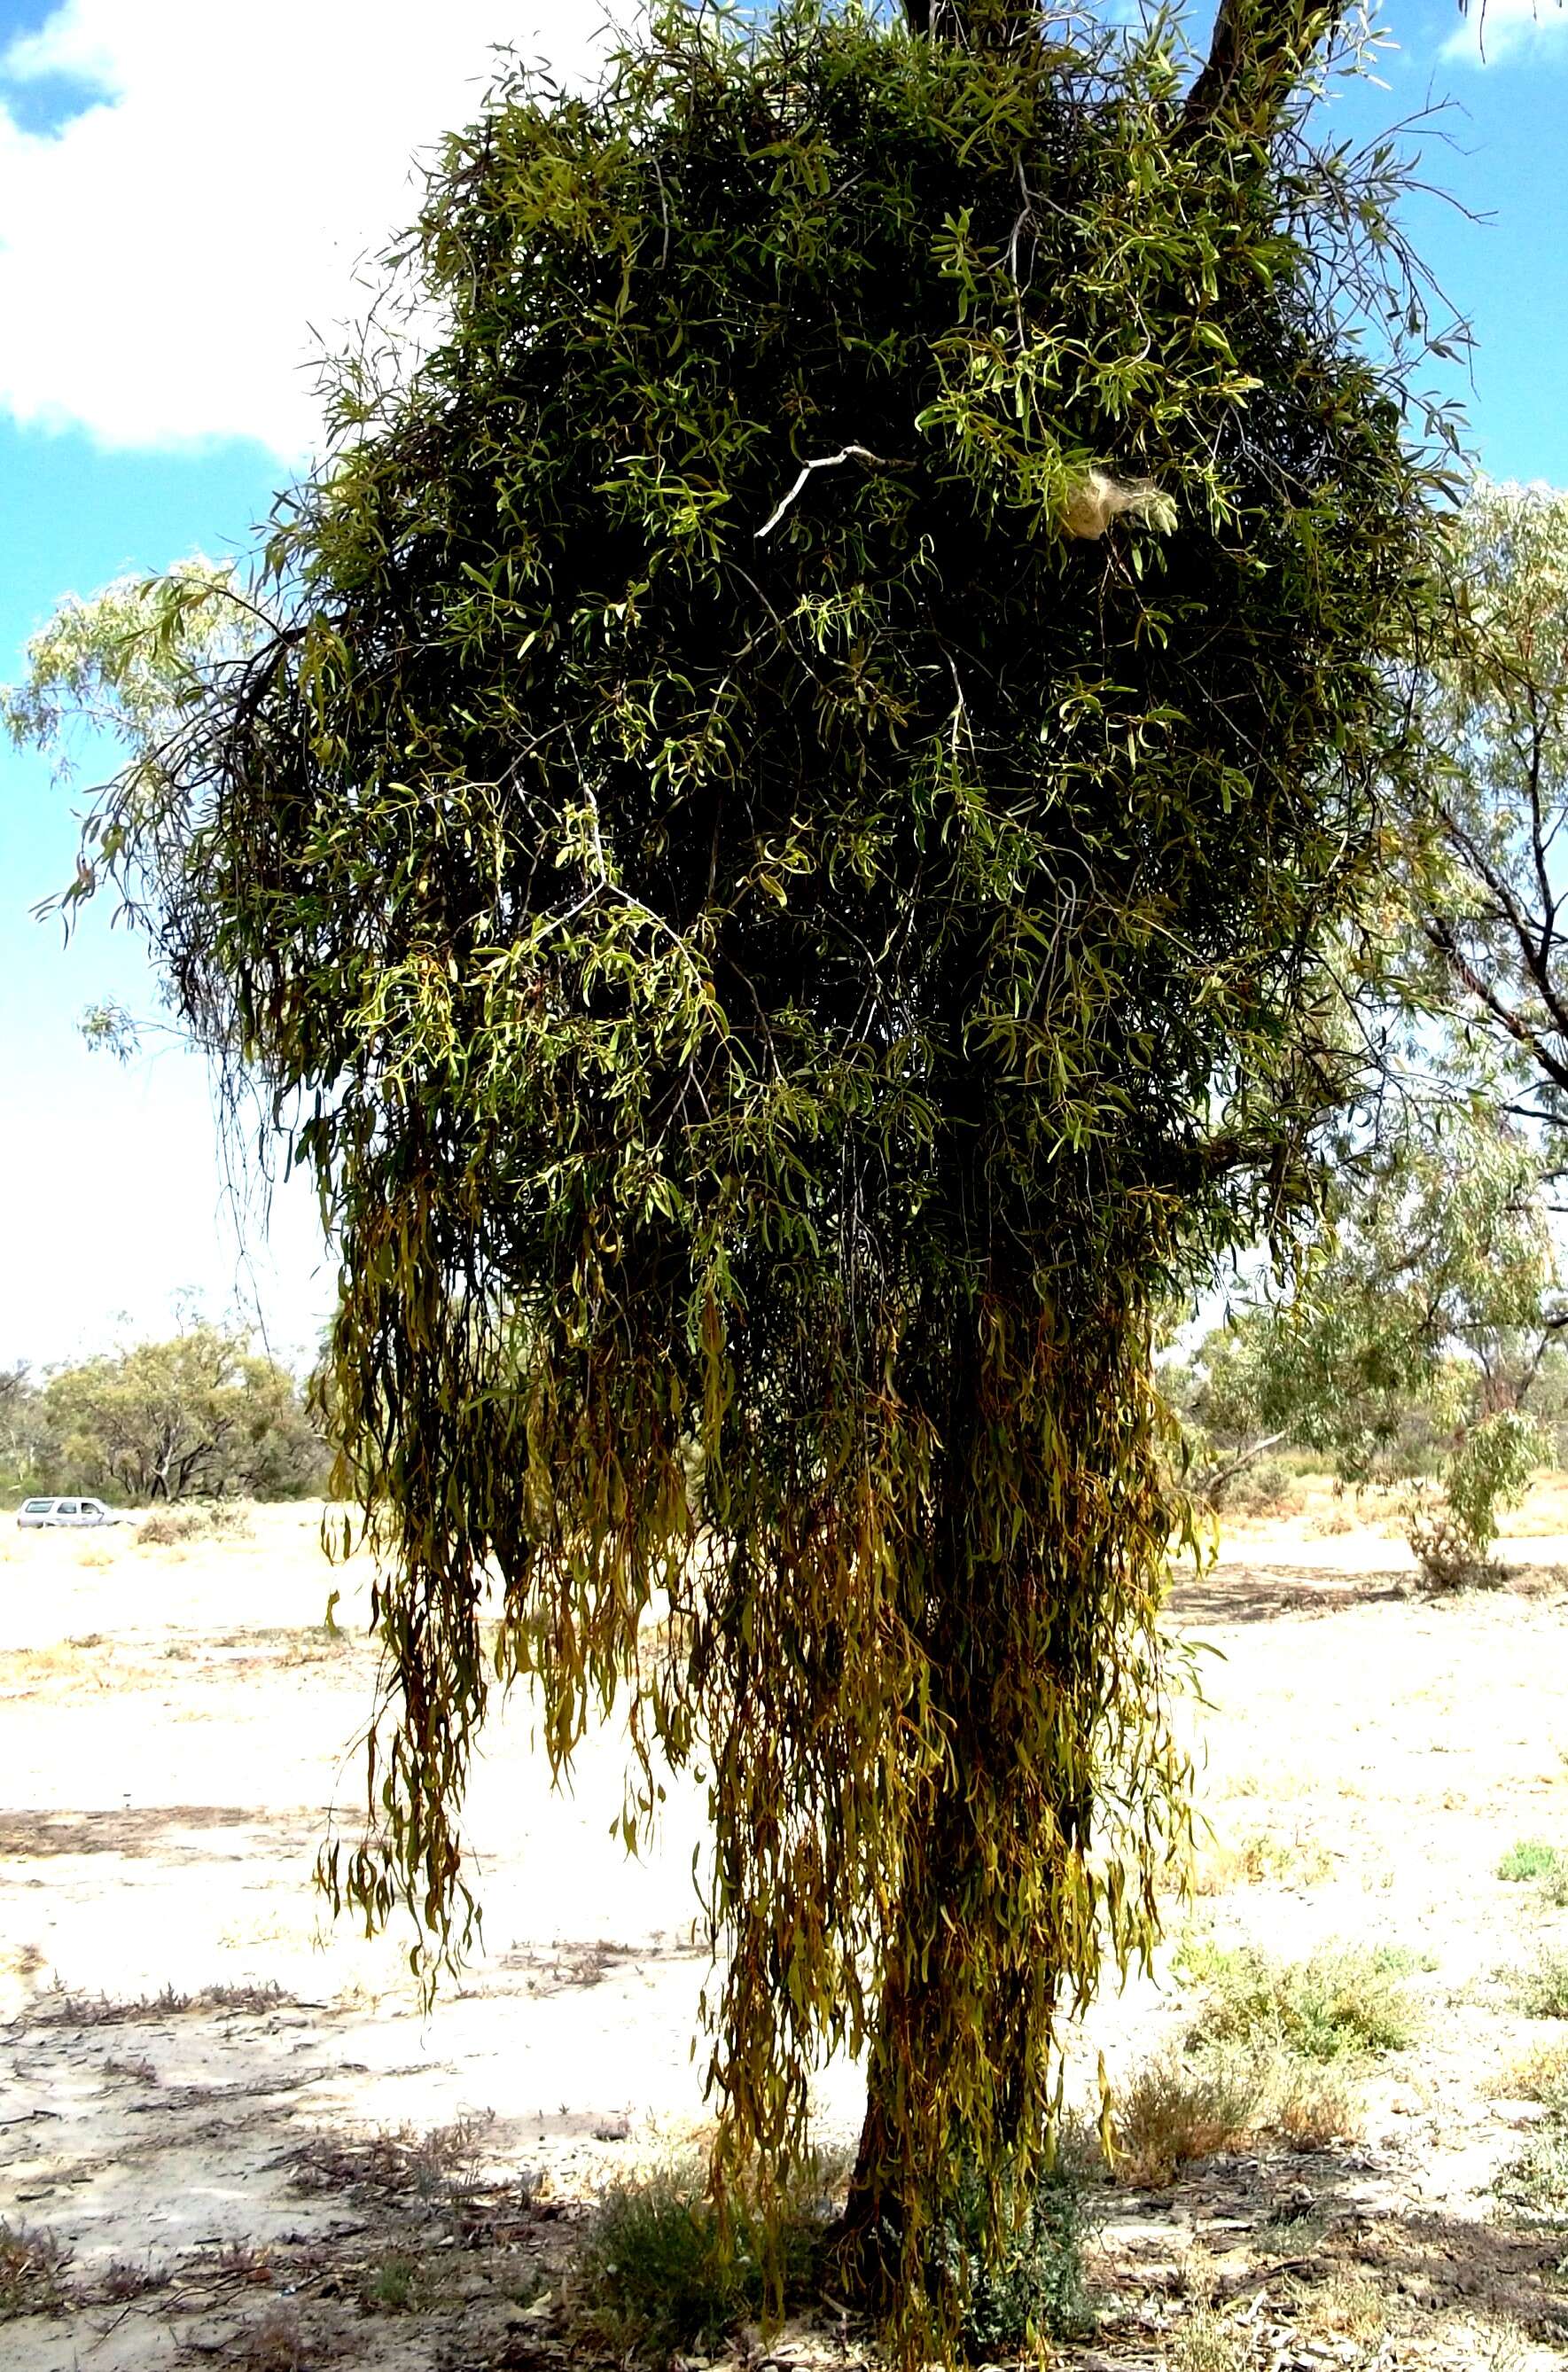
x=129 y=662
x=200 y=1413
x=777 y=856
x=1490 y=896
x=127 y=665
x=1415 y=1341
x=21 y=1429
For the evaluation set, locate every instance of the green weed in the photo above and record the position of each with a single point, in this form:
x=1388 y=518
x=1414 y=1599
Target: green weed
x=391 y=2286
x=1527 y=1859
x=1542 y=1866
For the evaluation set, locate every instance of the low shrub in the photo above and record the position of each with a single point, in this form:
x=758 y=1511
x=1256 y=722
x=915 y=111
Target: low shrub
x=1541 y=1990
x=1336 y=2005
x=1037 y=2290
x=652 y=2277
x=122 y=2280
x=1182 y=2107
x=1534 y=2183
x=1271 y=2051
x=1527 y=1860
x=217 y=1519
x=1446 y=1550
x=1267 y=1488
x=1452 y=1526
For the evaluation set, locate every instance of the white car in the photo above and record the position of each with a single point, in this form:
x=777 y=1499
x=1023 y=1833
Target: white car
x=36 y=1513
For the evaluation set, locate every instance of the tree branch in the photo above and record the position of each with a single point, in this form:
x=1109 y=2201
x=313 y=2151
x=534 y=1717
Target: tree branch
x=1255 y=61
x=823 y=461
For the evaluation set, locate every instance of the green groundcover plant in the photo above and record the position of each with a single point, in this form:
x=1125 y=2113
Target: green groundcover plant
x=772 y=830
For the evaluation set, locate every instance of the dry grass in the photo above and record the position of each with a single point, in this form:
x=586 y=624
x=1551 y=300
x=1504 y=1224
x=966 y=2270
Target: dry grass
x=1346 y=2306
x=220 y=1519
x=1261 y=1858
x=58 y=2008
x=396 y=2162
x=275 y=2343
x=1307 y=2106
x=1184 y=2106
x=23 y=1669
x=1207 y=2343
x=1177 y=2109
x=32 y=2271
x=1539 y=2074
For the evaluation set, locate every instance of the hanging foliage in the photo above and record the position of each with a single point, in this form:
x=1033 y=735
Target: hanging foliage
x=775 y=866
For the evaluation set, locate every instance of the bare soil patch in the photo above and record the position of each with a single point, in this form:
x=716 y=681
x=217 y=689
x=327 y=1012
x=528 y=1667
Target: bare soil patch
x=228 y=2135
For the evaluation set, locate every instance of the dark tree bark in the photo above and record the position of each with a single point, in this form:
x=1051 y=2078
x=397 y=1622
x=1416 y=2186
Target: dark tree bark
x=978 y=23
x=1256 y=56
x=1256 y=53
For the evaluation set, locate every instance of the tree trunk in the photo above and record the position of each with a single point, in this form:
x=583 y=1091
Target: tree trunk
x=907 y=2038
x=961 y=1881
x=871 y=2231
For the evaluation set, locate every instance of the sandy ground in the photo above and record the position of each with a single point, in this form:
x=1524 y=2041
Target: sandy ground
x=231 y=2118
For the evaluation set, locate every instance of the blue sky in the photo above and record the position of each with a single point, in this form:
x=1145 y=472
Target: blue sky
x=184 y=189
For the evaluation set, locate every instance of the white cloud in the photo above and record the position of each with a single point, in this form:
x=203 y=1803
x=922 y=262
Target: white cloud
x=1494 y=31
x=167 y=253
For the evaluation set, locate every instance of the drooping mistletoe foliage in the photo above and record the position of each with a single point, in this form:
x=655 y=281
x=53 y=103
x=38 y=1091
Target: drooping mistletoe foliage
x=776 y=866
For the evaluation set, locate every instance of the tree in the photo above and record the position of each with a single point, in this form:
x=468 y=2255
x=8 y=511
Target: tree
x=126 y=664
x=18 y=1429
x=1417 y=1339
x=1489 y=891
x=198 y=1413
x=775 y=859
